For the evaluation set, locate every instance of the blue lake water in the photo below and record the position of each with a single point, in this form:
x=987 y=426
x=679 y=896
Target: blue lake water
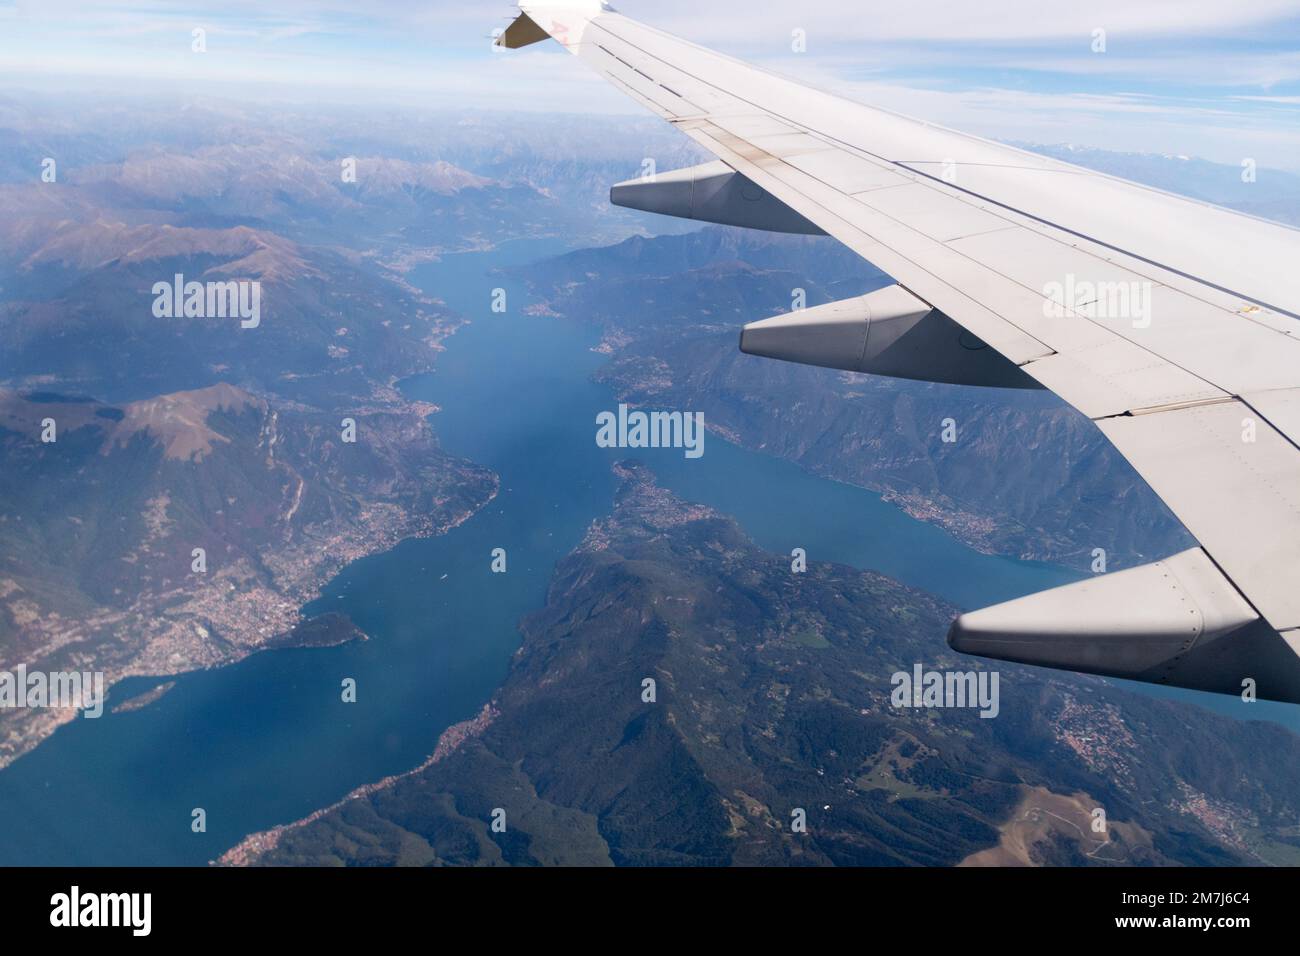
x=268 y=740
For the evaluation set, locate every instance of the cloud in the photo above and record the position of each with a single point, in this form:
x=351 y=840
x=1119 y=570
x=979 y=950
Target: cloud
x=1275 y=100
x=1018 y=20
x=1182 y=76
x=1125 y=122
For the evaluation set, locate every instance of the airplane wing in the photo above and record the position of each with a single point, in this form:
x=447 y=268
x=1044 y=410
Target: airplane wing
x=1171 y=323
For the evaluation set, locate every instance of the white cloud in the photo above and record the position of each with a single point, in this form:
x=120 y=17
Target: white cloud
x=1124 y=122
x=1018 y=69
x=840 y=20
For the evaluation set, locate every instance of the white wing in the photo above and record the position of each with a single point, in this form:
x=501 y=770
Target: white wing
x=1171 y=323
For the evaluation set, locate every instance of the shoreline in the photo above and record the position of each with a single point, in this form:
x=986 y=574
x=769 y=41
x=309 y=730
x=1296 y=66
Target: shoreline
x=249 y=850
x=152 y=661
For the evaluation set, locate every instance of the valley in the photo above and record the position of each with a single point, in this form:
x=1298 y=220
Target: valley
x=350 y=465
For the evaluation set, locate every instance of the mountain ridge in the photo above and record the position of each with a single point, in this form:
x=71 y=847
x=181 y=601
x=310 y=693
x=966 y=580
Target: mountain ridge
x=772 y=694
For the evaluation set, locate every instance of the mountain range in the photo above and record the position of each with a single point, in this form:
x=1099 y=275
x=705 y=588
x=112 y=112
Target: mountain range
x=1027 y=475
x=177 y=434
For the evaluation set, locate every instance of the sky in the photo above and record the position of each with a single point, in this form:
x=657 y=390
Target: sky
x=1218 y=79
